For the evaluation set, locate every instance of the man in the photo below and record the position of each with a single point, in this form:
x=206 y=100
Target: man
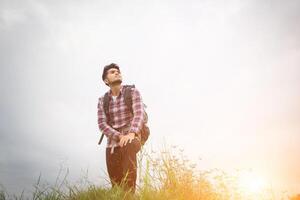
x=121 y=128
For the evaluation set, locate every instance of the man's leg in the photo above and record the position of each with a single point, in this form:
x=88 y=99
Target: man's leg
x=114 y=167
x=129 y=163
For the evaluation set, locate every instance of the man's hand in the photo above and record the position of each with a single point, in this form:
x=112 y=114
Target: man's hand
x=124 y=139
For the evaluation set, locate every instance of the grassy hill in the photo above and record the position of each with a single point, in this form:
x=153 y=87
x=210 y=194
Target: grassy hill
x=164 y=175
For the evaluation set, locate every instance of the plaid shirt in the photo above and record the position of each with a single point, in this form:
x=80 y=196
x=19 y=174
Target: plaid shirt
x=122 y=121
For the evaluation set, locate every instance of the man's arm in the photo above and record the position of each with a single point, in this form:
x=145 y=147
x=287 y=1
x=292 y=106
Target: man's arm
x=138 y=117
x=138 y=112
x=106 y=129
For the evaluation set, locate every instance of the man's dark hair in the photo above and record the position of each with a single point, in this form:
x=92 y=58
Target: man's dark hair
x=108 y=67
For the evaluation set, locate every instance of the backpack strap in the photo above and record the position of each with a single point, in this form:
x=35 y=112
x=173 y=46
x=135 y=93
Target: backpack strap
x=106 y=111
x=106 y=106
x=128 y=96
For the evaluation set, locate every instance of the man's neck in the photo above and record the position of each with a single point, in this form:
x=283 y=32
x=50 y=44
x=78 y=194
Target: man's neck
x=115 y=90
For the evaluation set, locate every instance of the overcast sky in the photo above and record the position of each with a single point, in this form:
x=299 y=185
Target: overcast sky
x=221 y=80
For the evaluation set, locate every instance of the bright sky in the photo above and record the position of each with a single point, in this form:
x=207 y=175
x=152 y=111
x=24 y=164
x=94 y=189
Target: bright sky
x=221 y=81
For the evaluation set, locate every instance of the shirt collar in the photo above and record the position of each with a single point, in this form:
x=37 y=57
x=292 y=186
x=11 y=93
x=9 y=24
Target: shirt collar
x=121 y=91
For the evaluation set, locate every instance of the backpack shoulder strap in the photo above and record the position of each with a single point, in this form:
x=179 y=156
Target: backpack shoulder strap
x=128 y=96
x=106 y=111
x=106 y=106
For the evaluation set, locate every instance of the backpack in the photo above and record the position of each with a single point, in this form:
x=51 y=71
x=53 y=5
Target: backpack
x=144 y=131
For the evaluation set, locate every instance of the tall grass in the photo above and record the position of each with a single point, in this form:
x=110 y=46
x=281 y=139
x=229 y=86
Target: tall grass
x=170 y=175
x=163 y=175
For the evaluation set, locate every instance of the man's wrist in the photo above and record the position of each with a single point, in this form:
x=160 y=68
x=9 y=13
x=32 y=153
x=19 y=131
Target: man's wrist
x=131 y=134
x=116 y=137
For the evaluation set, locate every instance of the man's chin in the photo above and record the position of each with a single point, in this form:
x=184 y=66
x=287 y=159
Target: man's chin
x=116 y=82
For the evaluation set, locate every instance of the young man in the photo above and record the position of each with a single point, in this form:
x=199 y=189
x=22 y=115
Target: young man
x=121 y=128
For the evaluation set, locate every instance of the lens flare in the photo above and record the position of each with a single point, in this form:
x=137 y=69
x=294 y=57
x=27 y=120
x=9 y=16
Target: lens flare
x=251 y=183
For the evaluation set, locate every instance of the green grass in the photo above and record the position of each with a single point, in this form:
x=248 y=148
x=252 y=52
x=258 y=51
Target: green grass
x=167 y=174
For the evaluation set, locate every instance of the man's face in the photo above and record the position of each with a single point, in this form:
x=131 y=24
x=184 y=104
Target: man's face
x=113 y=76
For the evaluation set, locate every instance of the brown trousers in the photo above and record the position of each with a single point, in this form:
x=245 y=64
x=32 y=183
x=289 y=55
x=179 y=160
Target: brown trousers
x=122 y=165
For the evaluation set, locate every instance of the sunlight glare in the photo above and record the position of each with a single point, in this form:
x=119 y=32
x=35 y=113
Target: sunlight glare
x=251 y=183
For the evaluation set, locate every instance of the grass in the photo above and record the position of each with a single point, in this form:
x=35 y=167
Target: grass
x=167 y=174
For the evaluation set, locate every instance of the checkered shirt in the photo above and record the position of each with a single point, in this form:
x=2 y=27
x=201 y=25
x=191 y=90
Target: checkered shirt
x=122 y=121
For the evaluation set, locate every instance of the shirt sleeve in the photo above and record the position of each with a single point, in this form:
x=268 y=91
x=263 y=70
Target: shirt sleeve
x=106 y=129
x=138 y=112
